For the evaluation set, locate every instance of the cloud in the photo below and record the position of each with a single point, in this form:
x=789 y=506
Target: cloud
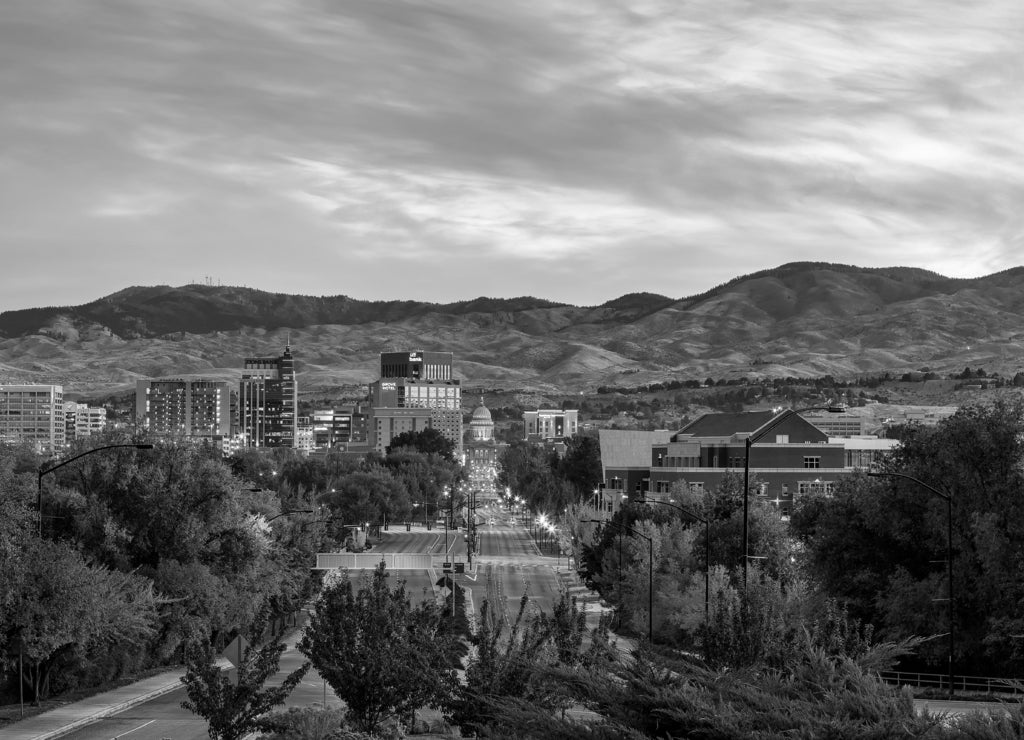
x=641 y=146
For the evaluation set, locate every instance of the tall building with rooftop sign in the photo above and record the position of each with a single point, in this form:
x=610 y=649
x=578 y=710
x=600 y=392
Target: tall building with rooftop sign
x=416 y=391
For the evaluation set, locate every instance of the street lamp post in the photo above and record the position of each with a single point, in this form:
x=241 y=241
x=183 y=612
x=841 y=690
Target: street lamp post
x=289 y=513
x=44 y=471
x=750 y=440
x=650 y=571
x=707 y=550
x=949 y=557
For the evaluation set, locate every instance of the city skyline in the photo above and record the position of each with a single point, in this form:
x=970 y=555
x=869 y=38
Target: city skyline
x=440 y=152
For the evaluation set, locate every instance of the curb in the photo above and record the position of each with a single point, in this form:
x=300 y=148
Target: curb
x=70 y=725
x=98 y=714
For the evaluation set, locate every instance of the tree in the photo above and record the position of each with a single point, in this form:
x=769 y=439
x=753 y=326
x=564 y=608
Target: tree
x=514 y=658
x=873 y=543
x=235 y=708
x=581 y=465
x=366 y=496
x=427 y=441
x=67 y=607
x=382 y=656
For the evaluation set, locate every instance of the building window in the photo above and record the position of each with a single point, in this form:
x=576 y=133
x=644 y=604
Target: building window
x=815 y=486
x=812 y=461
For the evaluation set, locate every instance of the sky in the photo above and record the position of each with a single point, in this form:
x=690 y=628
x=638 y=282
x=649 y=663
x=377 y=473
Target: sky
x=573 y=150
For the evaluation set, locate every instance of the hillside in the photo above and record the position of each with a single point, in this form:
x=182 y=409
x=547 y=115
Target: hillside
x=800 y=319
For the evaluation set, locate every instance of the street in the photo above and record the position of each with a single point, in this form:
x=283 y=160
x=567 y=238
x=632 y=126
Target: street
x=507 y=564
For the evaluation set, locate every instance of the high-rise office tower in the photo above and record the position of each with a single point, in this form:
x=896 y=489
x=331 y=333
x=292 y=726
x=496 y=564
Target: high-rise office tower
x=416 y=390
x=33 y=414
x=267 y=401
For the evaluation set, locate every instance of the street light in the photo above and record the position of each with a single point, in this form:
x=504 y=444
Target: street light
x=426 y=510
x=44 y=471
x=289 y=513
x=787 y=414
x=650 y=571
x=949 y=555
x=707 y=550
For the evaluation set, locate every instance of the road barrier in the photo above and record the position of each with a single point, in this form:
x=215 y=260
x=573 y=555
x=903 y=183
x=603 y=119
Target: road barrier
x=962 y=684
x=370 y=560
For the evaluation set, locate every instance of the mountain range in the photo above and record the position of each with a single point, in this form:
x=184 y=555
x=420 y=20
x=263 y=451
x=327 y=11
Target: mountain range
x=803 y=319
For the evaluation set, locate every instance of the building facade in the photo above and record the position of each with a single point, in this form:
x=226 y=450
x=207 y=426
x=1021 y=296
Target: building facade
x=33 y=414
x=548 y=424
x=404 y=393
x=481 y=453
x=417 y=365
x=388 y=423
x=191 y=408
x=82 y=420
x=268 y=398
x=425 y=396
x=789 y=456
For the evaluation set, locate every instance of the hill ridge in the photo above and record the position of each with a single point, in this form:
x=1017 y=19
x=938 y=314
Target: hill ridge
x=800 y=319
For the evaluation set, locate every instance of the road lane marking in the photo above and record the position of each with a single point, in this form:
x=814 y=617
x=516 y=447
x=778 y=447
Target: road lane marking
x=134 y=728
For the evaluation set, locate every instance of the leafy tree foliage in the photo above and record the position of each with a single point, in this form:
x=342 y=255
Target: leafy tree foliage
x=428 y=441
x=142 y=551
x=615 y=561
x=874 y=542
x=532 y=473
x=424 y=476
x=770 y=624
x=366 y=496
x=649 y=695
x=309 y=723
x=66 y=608
x=381 y=655
x=581 y=465
x=513 y=660
x=234 y=706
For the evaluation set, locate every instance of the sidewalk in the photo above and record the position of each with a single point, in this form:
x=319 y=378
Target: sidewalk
x=57 y=722
x=71 y=716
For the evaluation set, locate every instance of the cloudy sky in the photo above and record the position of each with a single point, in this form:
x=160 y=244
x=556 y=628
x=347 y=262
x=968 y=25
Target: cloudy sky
x=575 y=150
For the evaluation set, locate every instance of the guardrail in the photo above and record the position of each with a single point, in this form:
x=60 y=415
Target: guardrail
x=370 y=560
x=963 y=684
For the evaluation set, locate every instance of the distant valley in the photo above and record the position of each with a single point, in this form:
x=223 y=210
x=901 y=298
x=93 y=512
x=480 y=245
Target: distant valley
x=800 y=319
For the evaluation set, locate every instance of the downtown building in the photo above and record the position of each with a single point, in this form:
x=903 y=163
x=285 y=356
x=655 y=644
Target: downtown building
x=789 y=457
x=335 y=428
x=549 y=425
x=482 y=452
x=268 y=400
x=182 y=407
x=34 y=415
x=82 y=420
x=416 y=391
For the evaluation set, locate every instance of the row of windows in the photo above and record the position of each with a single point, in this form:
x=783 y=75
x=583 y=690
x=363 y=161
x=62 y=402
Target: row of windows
x=803 y=487
x=735 y=461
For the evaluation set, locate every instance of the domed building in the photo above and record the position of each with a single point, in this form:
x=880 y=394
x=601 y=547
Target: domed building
x=482 y=453
x=481 y=426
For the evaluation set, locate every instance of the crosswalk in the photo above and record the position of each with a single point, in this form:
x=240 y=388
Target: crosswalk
x=516 y=560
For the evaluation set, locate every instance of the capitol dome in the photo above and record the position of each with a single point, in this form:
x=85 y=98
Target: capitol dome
x=481 y=425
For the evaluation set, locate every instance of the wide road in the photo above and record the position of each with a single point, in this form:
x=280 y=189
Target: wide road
x=508 y=564
x=163 y=717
